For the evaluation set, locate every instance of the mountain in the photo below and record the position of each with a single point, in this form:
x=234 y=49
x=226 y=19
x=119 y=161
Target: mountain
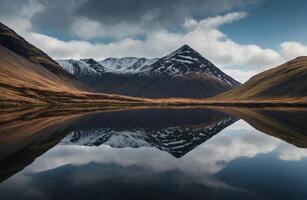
x=127 y=64
x=90 y=67
x=17 y=50
x=285 y=81
x=183 y=73
x=186 y=60
x=29 y=76
x=83 y=67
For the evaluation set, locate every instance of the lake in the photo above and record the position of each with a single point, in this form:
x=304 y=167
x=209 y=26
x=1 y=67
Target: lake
x=154 y=153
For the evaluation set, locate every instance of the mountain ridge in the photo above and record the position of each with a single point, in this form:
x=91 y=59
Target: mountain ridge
x=183 y=73
x=175 y=63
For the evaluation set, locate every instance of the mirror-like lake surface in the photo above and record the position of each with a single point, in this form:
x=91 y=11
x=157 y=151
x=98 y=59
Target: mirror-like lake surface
x=193 y=153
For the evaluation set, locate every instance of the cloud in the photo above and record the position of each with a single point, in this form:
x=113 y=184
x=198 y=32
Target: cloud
x=112 y=17
x=291 y=49
x=240 y=61
x=215 y=22
x=18 y=14
x=240 y=75
x=88 y=29
x=243 y=142
x=148 y=15
x=31 y=8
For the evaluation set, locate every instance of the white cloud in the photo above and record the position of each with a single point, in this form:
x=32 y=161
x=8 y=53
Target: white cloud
x=21 y=21
x=87 y=29
x=215 y=22
x=31 y=8
x=241 y=75
x=291 y=49
x=18 y=24
x=240 y=61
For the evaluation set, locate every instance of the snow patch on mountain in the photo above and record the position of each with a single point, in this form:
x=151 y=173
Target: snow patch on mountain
x=127 y=64
x=82 y=67
x=76 y=66
x=175 y=140
x=115 y=139
x=186 y=60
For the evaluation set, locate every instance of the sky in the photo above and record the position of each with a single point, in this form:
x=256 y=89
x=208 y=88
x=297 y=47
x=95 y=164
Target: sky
x=241 y=37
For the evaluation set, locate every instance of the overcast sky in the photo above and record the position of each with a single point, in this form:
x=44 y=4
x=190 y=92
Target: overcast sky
x=242 y=37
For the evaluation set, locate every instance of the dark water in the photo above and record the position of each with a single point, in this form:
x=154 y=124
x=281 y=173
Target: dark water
x=154 y=154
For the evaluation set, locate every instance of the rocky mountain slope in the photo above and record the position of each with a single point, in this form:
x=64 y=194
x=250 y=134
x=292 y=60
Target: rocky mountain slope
x=183 y=73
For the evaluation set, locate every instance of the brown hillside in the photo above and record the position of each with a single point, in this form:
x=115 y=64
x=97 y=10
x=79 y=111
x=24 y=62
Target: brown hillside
x=29 y=76
x=285 y=81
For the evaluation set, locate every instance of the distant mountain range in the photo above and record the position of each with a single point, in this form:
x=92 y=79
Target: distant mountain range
x=183 y=73
x=31 y=77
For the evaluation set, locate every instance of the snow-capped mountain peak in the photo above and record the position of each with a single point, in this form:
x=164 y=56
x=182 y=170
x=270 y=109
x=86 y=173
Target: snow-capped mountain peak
x=186 y=60
x=183 y=61
x=185 y=71
x=185 y=52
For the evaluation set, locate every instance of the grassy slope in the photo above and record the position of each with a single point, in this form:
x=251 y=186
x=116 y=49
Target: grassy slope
x=28 y=76
x=24 y=82
x=12 y=41
x=285 y=81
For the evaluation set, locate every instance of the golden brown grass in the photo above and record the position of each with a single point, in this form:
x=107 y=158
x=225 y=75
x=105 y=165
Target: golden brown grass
x=285 y=82
x=25 y=83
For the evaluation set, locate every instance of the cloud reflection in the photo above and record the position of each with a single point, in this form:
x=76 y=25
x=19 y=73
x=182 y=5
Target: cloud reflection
x=201 y=163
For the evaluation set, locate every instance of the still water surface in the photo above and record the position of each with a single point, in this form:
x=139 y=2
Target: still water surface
x=194 y=153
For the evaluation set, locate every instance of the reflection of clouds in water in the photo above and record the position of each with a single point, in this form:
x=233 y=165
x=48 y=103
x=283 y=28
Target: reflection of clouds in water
x=206 y=159
x=289 y=152
x=240 y=125
x=201 y=164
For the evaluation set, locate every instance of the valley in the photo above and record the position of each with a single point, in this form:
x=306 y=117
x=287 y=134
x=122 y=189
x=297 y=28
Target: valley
x=29 y=77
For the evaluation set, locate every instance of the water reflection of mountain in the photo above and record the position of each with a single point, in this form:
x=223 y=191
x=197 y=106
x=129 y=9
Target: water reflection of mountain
x=288 y=125
x=174 y=131
x=26 y=135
